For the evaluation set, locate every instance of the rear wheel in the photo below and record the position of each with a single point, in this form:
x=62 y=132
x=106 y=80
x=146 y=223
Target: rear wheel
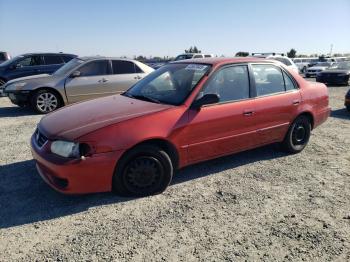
x=298 y=135
x=45 y=101
x=145 y=170
x=2 y=82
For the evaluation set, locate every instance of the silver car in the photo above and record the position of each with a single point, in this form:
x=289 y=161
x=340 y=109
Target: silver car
x=80 y=79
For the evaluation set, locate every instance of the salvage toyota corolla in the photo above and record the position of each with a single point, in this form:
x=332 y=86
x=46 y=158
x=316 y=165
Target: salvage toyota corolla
x=183 y=113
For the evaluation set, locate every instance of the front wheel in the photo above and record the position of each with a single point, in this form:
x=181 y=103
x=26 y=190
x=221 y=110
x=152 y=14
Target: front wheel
x=45 y=101
x=298 y=135
x=143 y=171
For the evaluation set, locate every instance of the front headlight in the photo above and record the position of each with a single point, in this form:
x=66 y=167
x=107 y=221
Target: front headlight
x=15 y=86
x=65 y=149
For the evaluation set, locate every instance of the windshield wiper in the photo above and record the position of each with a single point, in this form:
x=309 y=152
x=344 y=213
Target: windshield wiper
x=142 y=97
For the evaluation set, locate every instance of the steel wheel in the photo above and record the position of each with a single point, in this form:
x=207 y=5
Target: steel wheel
x=142 y=174
x=298 y=135
x=46 y=102
x=144 y=170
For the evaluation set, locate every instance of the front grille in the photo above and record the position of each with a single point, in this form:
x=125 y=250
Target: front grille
x=40 y=138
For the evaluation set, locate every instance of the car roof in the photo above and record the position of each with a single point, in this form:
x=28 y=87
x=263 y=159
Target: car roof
x=223 y=60
x=90 y=58
x=27 y=54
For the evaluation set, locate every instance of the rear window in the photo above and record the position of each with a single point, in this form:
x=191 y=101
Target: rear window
x=53 y=60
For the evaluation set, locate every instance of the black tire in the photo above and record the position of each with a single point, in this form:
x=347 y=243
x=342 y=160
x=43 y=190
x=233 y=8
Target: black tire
x=298 y=135
x=45 y=101
x=2 y=82
x=143 y=171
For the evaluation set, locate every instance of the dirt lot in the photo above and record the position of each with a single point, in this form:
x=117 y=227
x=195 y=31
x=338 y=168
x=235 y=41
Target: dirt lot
x=258 y=205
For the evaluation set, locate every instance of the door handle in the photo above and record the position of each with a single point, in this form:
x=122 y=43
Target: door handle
x=103 y=80
x=248 y=112
x=296 y=102
x=137 y=77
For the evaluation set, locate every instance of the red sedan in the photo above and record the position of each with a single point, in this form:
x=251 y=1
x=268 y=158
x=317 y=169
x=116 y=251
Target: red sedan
x=183 y=113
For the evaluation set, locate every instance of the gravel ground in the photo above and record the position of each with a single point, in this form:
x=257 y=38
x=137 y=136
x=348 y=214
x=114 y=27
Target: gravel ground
x=258 y=205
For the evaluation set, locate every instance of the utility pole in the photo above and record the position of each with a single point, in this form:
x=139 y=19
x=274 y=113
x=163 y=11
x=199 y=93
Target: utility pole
x=330 y=53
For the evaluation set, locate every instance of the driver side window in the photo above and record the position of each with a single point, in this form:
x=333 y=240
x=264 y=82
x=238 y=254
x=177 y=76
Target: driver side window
x=230 y=84
x=94 y=68
x=30 y=61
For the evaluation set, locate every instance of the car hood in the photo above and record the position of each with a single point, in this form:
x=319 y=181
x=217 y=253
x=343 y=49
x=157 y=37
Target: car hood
x=74 y=121
x=39 y=77
x=336 y=71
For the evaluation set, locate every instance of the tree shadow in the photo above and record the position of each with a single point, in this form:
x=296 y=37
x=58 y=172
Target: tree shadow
x=341 y=113
x=25 y=197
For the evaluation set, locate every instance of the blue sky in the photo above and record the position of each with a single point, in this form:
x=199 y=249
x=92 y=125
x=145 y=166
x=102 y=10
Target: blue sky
x=167 y=27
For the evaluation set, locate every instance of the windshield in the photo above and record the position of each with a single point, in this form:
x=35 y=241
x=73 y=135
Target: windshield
x=171 y=84
x=69 y=66
x=341 y=65
x=8 y=62
x=183 y=57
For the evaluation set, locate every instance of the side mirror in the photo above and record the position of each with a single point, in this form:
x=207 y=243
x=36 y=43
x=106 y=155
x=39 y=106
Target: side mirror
x=205 y=100
x=75 y=74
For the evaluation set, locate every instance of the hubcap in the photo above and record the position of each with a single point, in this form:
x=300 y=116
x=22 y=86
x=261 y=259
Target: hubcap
x=142 y=174
x=47 y=102
x=299 y=134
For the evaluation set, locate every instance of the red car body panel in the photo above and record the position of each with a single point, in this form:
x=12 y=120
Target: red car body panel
x=115 y=124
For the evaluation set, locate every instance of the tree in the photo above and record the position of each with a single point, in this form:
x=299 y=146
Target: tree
x=193 y=49
x=240 y=53
x=292 y=53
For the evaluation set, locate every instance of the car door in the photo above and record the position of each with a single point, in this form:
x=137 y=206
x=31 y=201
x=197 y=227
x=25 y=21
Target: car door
x=91 y=83
x=52 y=63
x=276 y=103
x=227 y=126
x=124 y=75
x=27 y=66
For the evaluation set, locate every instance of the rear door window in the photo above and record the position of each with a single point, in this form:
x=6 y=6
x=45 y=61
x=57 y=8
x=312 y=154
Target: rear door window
x=94 y=68
x=123 y=67
x=288 y=82
x=53 y=59
x=268 y=79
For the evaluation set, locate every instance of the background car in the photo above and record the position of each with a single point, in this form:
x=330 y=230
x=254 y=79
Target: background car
x=192 y=56
x=4 y=56
x=32 y=64
x=184 y=113
x=278 y=57
x=285 y=60
x=338 y=73
x=319 y=67
x=304 y=62
x=80 y=79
